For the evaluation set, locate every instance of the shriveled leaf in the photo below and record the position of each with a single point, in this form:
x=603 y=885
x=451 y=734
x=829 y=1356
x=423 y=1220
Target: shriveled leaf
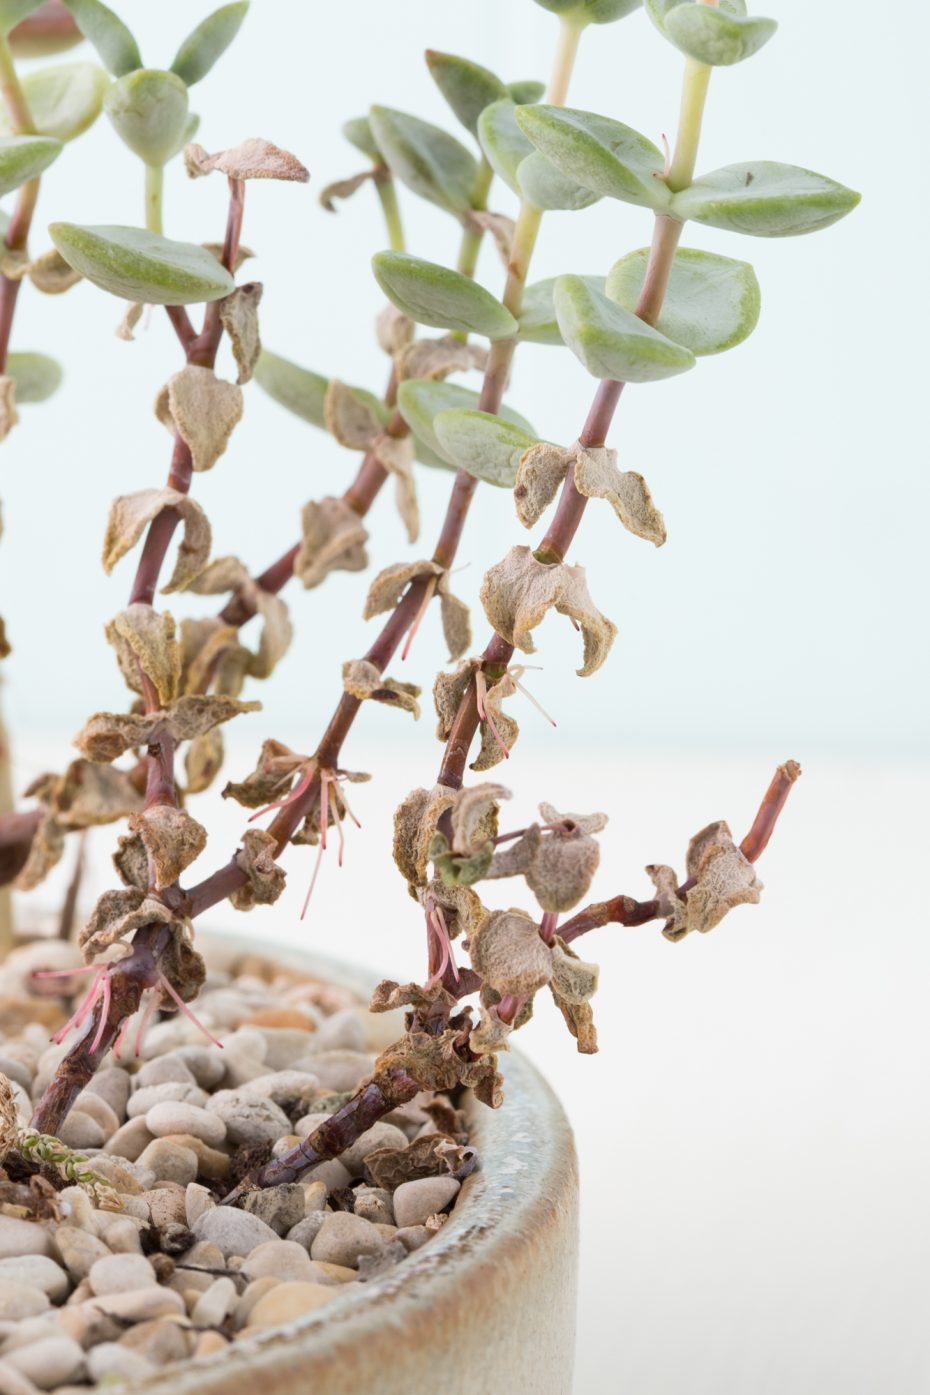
x=205 y=44
x=253 y=159
x=139 y=265
x=229 y=574
x=202 y=409
x=436 y=295
x=711 y=303
x=239 y=318
x=395 y=331
x=145 y=642
x=510 y=955
x=271 y=779
x=148 y=109
x=106 y=736
x=36 y=376
x=108 y=34
x=415 y=820
x=51 y=274
x=256 y=858
x=475 y=816
x=171 y=839
x=343 y=189
x=64 y=101
x=598 y=477
x=131 y=514
x=23 y=158
x=710 y=34
x=724 y=878
x=420 y=402
x=334 y=539
x=518 y=592
x=363 y=680
x=540 y=473
x=349 y=418
x=390 y=584
x=765 y=199
x=466 y=86
x=437 y=358
x=428 y=160
x=396 y=455
x=116 y=915
x=612 y=342
x=599 y=154
x=484 y=445
x=203 y=760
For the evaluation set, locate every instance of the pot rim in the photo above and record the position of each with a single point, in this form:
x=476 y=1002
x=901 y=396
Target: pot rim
x=527 y=1141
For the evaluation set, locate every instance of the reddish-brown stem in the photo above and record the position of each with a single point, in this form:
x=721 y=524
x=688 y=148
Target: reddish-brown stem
x=202 y=350
x=181 y=324
x=757 y=839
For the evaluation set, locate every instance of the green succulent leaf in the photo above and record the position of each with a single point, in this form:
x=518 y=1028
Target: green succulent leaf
x=591 y=11
x=420 y=401
x=482 y=444
x=64 y=101
x=598 y=153
x=108 y=34
x=765 y=199
x=537 y=321
x=549 y=188
x=716 y=35
x=13 y=12
x=24 y=157
x=612 y=342
x=526 y=92
x=504 y=144
x=711 y=302
x=466 y=86
x=303 y=392
x=142 y=266
x=149 y=112
x=435 y=295
x=358 y=132
x=208 y=42
x=428 y=160
x=36 y=376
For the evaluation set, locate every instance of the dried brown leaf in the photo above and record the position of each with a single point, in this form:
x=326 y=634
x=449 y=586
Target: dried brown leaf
x=433 y=1155
x=498 y=225
x=334 y=539
x=350 y=419
x=541 y=471
x=517 y=593
x=45 y=850
x=396 y=454
x=256 y=858
x=239 y=318
x=363 y=680
x=87 y=794
x=666 y=884
x=437 y=358
x=51 y=274
x=343 y=189
x=171 y=839
x=516 y=860
x=130 y=515
x=202 y=409
x=436 y=1063
x=131 y=317
x=271 y=779
x=116 y=915
x=253 y=159
x=415 y=821
x=725 y=878
x=394 y=329
x=510 y=955
x=145 y=643
x=108 y=735
x=203 y=761
x=229 y=574
x=475 y=817
x=8 y=413
x=597 y=477
x=461 y=906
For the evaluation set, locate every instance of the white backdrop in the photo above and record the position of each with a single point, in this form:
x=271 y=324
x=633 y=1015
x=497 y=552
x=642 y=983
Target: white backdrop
x=755 y=1215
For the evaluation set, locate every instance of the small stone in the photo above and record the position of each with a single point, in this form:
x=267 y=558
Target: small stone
x=331 y=1173
x=340 y=1070
x=174 y=1116
x=169 y=1162
x=179 y=1092
x=141 y=1304
x=314 y=1197
x=80 y=1131
x=17 y=1301
x=75 y=1203
x=204 y=1063
x=213 y=1306
x=254 y=1291
x=130 y=1140
x=380 y=1135
x=98 y=1109
x=343 y=1031
x=373 y=1266
x=113 y=1085
x=375 y=1205
x=343 y=1237
x=165 y=1070
x=288 y=1301
x=36 y=1271
x=158 y=1340
x=167 y=1205
x=206 y=1255
x=305 y=1231
x=48 y=1363
x=111 y=1360
x=415 y=1201
x=197 y=1200
x=13 y=1382
x=249 y=1121
x=78 y=1250
x=208 y=1343
x=122 y=1236
x=290 y=1018
x=278 y=1259
x=235 y=1232
x=86 y=1324
x=284 y=1087
x=211 y=1163
x=280 y=1207
x=119 y=1175
x=117 y=1273
x=17 y=1072
x=413 y=1236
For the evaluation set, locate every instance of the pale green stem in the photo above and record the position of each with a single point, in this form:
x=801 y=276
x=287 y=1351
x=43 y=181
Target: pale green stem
x=12 y=93
x=569 y=36
x=387 y=193
x=693 y=96
x=154 y=186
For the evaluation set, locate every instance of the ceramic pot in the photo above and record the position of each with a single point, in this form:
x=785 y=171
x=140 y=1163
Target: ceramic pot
x=488 y=1305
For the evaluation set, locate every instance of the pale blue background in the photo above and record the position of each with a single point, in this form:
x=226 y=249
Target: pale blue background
x=755 y=1214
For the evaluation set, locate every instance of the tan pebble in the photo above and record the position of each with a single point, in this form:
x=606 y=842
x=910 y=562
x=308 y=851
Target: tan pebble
x=197 y=1199
x=98 y=1110
x=289 y=1301
x=87 y=1324
x=314 y=1197
x=117 y=1273
x=122 y=1235
x=130 y=1141
x=331 y=1173
x=333 y=1273
x=111 y=1361
x=281 y=1017
x=112 y=1084
x=166 y=1206
x=214 y=1306
x=282 y=1259
x=81 y=1292
x=208 y=1343
x=413 y=1236
x=173 y=1117
x=255 y=1290
x=75 y=1203
x=142 y=1304
x=136 y=1207
x=78 y=1250
x=22 y=1238
x=344 y=1237
x=19 y=1301
x=206 y=1255
x=171 y=1069
x=341 y=1070
x=170 y=1162
x=284 y=1145
x=119 y=1177
x=160 y=1341
x=211 y=1163
x=36 y=1271
x=380 y=1135
x=415 y=1202
x=48 y=1363
x=143 y=1100
x=80 y=1131
x=13 y=1382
